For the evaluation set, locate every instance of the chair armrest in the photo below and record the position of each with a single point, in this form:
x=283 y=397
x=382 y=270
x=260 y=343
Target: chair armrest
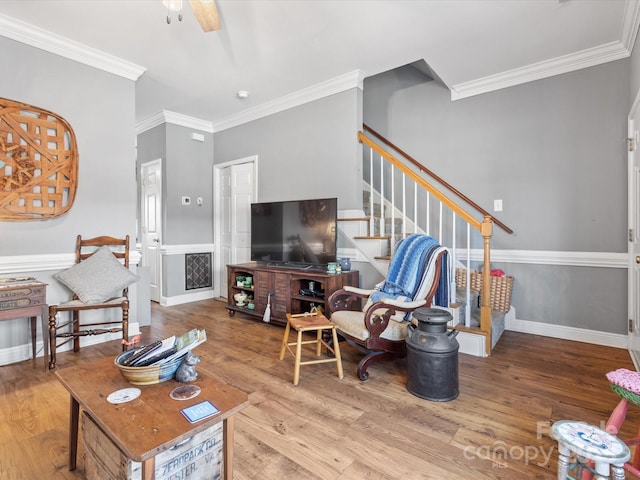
x=404 y=306
x=358 y=291
x=378 y=315
x=345 y=298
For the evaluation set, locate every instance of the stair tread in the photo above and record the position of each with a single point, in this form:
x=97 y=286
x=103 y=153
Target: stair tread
x=374 y=237
x=474 y=330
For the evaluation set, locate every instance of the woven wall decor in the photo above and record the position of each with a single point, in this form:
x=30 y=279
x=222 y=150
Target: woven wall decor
x=38 y=163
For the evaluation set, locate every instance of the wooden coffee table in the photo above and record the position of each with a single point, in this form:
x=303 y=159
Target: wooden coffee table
x=152 y=423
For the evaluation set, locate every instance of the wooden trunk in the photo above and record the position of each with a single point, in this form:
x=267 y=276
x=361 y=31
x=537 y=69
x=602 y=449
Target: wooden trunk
x=198 y=458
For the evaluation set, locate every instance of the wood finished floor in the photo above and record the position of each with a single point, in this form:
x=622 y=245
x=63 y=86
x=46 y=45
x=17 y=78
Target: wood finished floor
x=326 y=428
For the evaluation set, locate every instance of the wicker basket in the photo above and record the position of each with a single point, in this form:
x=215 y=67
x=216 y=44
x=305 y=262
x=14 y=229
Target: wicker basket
x=501 y=288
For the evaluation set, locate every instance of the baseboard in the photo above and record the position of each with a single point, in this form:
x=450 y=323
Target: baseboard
x=566 y=333
x=471 y=344
x=187 y=298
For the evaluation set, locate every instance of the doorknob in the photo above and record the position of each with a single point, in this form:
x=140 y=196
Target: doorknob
x=638 y=259
x=157 y=240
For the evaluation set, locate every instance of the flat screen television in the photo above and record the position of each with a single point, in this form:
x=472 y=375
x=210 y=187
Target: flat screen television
x=294 y=233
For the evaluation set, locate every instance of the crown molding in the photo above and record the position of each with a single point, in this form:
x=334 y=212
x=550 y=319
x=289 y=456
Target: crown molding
x=149 y=123
x=315 y=92
x=186 y=121
x=564 y=64
x=37 y=37
x=537 y=71
x=166 y=116
x=630 y=24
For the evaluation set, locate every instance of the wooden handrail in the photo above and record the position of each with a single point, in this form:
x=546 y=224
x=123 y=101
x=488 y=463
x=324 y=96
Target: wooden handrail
x=424 y=169
x=421 y=181
x=485 y=227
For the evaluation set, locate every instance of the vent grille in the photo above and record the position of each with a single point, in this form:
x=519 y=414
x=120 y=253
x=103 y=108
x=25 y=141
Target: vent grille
x=197 y=270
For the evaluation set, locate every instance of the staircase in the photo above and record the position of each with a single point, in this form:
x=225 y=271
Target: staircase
x=400 y=197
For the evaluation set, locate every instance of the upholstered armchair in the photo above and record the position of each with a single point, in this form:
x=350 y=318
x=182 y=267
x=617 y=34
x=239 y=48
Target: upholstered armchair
x=418 y=272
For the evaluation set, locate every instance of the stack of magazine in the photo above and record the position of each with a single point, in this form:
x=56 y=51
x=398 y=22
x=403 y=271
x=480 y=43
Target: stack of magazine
x=163 y=351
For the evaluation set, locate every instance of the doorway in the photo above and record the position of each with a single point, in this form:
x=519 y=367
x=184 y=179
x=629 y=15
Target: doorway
x=236 y=189
x=633 y=221
x=151 y=223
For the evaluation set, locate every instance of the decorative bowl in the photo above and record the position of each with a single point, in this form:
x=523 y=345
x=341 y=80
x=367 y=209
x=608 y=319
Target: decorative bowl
x=149 y=375
x=240 y=297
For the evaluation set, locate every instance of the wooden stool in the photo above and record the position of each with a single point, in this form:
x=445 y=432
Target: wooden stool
x=310 y=323
x=581 y=445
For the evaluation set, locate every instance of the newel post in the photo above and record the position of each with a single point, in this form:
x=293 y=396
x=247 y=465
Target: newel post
x=485 y=307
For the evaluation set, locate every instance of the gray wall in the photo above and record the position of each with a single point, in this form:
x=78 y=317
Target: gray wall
x=553 y=150
x=310 y=151
x=187 y=170
x=100 y=108
x=635 y=76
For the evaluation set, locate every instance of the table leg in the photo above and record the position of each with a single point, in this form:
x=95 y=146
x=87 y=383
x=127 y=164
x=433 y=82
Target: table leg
x=44 y=319
x=74 y=415
x=149 y=469
x=33 y=336
x=227 y=448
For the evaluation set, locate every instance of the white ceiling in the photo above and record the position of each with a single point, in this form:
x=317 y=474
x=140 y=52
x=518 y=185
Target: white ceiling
x=290 y=49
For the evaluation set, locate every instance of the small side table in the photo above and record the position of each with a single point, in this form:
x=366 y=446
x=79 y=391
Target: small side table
x=27 y=298
x=310 y=323
x=589 y=445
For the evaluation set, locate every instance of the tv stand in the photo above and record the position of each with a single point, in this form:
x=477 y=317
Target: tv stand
x=292 y=289
x=296 y=266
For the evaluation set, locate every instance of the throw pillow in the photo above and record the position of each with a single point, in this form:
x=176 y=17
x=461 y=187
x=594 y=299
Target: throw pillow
x=98 y=278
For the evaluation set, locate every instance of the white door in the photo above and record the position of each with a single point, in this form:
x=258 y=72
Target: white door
x=634 y=234
x=236 y=191
x=151 y=215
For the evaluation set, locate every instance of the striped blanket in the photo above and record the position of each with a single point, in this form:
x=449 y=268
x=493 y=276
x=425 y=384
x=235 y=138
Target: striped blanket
x=412 y=272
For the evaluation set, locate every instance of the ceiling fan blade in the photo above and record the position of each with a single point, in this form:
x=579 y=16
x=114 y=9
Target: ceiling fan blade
x=207 y=14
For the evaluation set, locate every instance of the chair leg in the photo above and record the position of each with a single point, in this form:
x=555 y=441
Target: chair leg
x=285 y=339
x=76 y=330
x=368 y=360
x=296 y=368
x=318 y=343
x=52 y=337
x=125 y=324
x=617 y=417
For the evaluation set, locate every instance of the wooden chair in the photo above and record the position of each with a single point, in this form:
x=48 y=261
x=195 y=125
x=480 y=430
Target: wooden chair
x=119 y=299
x=380 y=328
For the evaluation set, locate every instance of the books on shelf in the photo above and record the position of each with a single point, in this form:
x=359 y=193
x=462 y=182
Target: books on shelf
x=162 y=351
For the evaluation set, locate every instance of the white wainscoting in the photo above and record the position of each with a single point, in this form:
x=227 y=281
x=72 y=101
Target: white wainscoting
x=11 y=265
